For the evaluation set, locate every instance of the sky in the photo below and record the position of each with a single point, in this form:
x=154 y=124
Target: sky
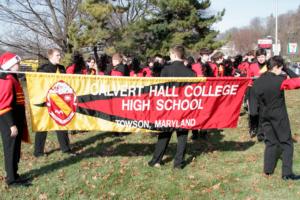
x=239 y=13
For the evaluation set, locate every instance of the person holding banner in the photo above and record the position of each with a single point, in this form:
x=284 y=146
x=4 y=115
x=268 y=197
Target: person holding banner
x=202 y=69
x=255 y=70
x=268 y=90
x=175 y=69
x=52 y=66
x=13 y=126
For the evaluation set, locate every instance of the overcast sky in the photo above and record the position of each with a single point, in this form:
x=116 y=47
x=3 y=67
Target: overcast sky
x=240 y=12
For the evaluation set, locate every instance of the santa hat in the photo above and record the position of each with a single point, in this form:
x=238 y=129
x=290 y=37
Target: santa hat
x=8 y=59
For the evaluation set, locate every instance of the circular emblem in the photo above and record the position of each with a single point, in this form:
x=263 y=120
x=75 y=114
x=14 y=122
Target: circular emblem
x=61 y=103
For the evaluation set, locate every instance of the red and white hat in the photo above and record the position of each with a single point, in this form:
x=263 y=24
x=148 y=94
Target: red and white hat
x=8 y=59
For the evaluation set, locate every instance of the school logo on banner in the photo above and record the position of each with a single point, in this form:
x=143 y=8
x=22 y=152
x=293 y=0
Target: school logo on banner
x=61 y=103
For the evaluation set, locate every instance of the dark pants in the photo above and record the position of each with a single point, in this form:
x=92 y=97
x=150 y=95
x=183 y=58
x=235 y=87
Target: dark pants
x=162 y=144
x=255 y=110
x=11 y=150
x=276 y=142
x=40 y=140
x=199 y=134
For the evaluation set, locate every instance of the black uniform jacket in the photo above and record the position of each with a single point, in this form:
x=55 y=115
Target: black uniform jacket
x=177 y=69
x=50 y=68
x=269 y=92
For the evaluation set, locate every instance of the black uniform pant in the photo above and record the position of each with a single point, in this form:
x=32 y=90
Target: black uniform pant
x=11 y=150
x=199 y=133
x=255 y=109
x=40 y=140
x=274 y=143
x=162 y=144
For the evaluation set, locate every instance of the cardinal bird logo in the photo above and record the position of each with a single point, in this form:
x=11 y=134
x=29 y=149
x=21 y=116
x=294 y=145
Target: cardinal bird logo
x=61 y=103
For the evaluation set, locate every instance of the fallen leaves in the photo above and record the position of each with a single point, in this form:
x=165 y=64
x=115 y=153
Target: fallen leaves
x=212 y=188
x=43 y=196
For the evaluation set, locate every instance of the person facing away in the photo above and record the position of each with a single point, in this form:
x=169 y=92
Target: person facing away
x=175 y=69
x=268 y=90
x=78 y=65
x=118 y=67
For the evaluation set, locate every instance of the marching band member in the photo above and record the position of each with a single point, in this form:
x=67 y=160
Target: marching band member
x=13 y=126
x=268 y=90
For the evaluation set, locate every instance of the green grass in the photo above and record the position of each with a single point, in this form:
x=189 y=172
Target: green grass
x=227 y=166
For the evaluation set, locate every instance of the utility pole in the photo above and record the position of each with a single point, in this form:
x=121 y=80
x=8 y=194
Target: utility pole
x=276 y=49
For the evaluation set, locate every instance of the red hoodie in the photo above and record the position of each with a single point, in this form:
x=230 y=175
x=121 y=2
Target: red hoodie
x=71 y=70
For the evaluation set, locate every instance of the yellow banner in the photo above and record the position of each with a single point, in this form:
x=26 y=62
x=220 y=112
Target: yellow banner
x=132 y=104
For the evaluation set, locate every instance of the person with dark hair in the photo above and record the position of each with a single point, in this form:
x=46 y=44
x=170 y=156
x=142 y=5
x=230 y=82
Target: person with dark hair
x=175 y=69
x=104 y=65
x=260 y=66
x=255 y=70
x=136 y=69
x=202 y=69
x=203 y=66
x=13 y=126
x=238 y=59
x=189 y=62
x=52 y=66
x=158 y=62
x=268 y=90
x=229 y=69
x=244 y=65
x=217 y=65
x=78 y=64
x=91 y=65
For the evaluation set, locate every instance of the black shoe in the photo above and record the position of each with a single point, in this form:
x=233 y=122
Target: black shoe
x=20 y=182
x=194 y=136
x=71 y=153
x=155 y=164
x=260 y=137
x=37 y=155
x=203 y=136
x=178 y=167
x=292 y=177
x=252 y=133
x=268 y=174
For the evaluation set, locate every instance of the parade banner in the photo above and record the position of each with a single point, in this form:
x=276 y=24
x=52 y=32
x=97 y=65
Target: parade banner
x=133 y=104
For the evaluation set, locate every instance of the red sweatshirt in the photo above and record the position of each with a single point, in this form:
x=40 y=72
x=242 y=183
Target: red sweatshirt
x=6 y=96
x=71 y=70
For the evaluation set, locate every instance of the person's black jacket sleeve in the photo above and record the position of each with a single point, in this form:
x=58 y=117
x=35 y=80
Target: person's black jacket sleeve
x=290 y=72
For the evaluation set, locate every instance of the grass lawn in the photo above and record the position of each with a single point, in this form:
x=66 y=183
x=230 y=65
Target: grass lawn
x=226 y=166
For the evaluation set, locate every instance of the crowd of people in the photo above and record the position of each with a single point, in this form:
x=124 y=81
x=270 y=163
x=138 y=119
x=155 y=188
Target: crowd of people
x=264 y=100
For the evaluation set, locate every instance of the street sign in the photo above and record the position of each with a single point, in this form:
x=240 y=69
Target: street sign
x=264 y=43
x=292 y=48
x=276 y=49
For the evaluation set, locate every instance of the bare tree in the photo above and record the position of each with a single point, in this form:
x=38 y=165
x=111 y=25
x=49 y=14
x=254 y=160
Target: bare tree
x=128 y=11
x=38 y=25
x=245 y=39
